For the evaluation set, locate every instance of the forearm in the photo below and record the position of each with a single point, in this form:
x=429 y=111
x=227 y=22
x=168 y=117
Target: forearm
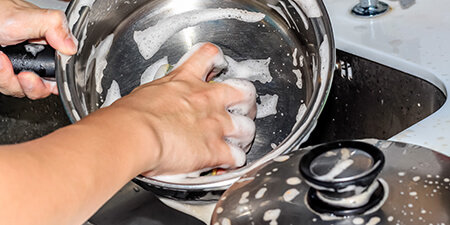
x=67 y=175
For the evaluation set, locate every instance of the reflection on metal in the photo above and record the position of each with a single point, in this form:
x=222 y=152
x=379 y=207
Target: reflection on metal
x=271 y=37
x=415 y=185
x=370 y=8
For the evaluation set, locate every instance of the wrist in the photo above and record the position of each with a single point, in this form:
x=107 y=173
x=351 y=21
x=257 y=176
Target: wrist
x=131 y=137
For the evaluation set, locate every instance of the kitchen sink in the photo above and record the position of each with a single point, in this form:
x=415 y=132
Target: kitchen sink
x=366 y=100
x=370 y=100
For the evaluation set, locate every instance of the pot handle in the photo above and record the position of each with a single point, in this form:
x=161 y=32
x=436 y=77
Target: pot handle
x=32 y=57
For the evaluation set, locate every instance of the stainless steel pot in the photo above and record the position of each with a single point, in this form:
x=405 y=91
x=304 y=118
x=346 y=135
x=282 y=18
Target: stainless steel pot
x=295 y=34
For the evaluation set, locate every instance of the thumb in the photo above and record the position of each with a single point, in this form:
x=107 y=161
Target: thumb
x=35 y=23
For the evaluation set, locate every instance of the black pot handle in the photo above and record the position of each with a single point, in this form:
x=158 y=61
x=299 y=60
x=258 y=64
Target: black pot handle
x=32 y=57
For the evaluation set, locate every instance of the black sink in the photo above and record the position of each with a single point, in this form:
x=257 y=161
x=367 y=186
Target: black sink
x=369 y=100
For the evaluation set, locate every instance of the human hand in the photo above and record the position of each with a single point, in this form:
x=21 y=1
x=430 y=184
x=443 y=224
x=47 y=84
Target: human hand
x=21 y=21
x=189 y=117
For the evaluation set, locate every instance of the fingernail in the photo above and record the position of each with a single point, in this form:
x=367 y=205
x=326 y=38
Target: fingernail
x=72 y=43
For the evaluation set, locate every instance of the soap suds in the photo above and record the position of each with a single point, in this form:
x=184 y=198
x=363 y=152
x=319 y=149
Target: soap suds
x=310 y=7
x=293 y=181
x=252 y=70
x=244 y=198
x=290 y=194
x=112 y=95
x=298 y=74
x=353 y=201
x=260 y=193
x=301 y=112
x=343 y=163
x=294 y=57
x=155 y=70
x=98 y=54
x=150 y=40
x=272 y=216
x=289 y=14
x=268 y=106
x=75 y=15
x=34 y=49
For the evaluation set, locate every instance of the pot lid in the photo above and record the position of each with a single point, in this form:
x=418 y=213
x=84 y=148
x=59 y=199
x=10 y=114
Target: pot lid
x=347 y=182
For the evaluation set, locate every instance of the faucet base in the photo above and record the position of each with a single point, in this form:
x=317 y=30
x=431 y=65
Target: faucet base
x=379 y=9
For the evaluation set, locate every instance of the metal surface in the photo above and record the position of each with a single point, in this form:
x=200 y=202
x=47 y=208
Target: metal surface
x=133 y=205
x=277 y=36
x=370 y=8
x=370 y=100
x=417 y=180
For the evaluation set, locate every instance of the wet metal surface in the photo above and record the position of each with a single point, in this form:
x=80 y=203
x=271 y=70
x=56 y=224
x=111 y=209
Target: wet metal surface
x=369 y=100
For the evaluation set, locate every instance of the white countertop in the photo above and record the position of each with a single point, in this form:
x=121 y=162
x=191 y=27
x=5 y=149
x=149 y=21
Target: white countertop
x=413 y=40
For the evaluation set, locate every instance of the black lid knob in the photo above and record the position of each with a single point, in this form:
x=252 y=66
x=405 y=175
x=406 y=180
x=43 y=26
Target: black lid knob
x=343 y=167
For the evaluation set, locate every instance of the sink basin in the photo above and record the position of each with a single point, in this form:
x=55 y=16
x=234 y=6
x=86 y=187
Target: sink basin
x=22 y=119
x=370 y=100
x=366 y=100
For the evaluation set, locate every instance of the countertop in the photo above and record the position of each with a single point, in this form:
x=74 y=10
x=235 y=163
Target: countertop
x=413 y=40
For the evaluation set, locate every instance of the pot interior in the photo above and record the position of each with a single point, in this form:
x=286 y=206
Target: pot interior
x=292 y=42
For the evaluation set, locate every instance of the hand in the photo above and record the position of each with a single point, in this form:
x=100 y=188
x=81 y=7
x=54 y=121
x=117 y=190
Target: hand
x=189 y=119
x=21 y=21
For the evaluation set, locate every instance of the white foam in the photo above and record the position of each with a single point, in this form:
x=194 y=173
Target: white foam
x=243 y=134
x=272 y=216
x=343 y=163
x=244 y=198
x=293 y=181
x=252 y=70
x=260 y=193
x=154 y=71
x=150 y=40
x=353 y=201
x=98 y=54
x=247 y=106
x=299 y=75
x=75 y=15
x=112 y=95
x=268 y=106
x=301 y=112
x=294 y=57
x=310 y=7
x=289 y=14
x=34 y=49
x=324 y=52
x=290 y=194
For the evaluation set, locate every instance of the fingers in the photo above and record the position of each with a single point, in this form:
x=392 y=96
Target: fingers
x=25 y=84
x=54 y=29
x=34 y=23
x=34 y=87
x=246 y=104
x=243 y=134
x=9 y=84
x=242 y=111
x=203 y=61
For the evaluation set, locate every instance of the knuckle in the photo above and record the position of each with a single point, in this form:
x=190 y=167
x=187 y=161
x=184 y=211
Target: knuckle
x=56 y=18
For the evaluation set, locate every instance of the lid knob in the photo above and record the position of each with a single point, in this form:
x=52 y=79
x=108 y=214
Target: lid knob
x=342 y=176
